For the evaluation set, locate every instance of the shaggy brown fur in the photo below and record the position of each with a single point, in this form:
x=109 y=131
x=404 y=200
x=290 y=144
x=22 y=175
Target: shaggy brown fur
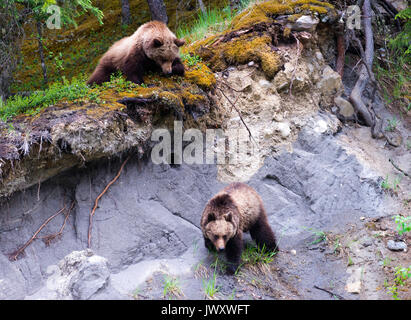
x=153 y=47
x=236 y=209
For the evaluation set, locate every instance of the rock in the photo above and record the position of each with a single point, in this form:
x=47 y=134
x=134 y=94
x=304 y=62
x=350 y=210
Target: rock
x=398 y=4
x=304 y=23
x=81 y=275
x=92 y=275
x=394 y=138
x=251 y=63
x=345 y=108
x=330 y=82
x=396 y=245
x=366 y=243
x=353 y=284
x=293 y=252
x=265 y=84
x=283 y=128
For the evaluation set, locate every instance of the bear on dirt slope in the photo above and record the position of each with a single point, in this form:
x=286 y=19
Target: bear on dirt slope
x=236 y=209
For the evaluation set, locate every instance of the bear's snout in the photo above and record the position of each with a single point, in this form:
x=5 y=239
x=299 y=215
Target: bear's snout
x=220 y=249
x=167 y=68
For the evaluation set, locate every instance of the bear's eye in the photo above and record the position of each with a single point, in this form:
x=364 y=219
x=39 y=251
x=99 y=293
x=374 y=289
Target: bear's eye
x=225 y=238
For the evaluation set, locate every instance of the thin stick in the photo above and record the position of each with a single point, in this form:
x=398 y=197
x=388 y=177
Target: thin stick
x=331 y=293
x=14 y=255
x=238 y=111
x=98 y=198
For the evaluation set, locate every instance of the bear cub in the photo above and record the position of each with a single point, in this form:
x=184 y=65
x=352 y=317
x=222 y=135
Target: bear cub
x=236 y=209
x=153 y=47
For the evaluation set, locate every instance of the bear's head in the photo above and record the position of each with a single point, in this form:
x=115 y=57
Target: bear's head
x=161 y=45
x=221 y=221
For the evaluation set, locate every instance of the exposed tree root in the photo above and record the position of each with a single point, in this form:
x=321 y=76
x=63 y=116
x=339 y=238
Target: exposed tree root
x=399 y=169
x=99 y=197
x=330 y=292
x=366 y=75
x=49 y=238
x=339 y=66
x=14 y=256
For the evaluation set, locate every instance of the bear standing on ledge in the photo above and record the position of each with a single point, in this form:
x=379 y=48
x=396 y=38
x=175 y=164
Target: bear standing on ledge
x=153 y=47
x=236 y=209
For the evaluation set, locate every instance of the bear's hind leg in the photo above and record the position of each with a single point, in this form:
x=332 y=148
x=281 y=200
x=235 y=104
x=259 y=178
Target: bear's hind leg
x=262 y=233
x=234 y=248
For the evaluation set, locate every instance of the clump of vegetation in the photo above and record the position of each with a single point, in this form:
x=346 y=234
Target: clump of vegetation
x=210 y=286
x=319 y=236
x=191 y=59
x=386 y=185
x=401 y=278
x=73 y=90
x=253 y=255
x=403 y=224
x=393 y=66
x=206 y=23
x=392 y=124
x=172 y=288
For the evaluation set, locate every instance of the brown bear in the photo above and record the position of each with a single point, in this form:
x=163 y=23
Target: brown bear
x=153 y=47
x=236 y=209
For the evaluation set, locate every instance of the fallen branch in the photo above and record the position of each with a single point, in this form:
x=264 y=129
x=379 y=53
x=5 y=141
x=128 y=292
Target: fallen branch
x=99 y=197
x=13 y=256
x=330 y=292
x=398 y=168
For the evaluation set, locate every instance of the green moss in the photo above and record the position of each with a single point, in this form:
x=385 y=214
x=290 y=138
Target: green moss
x=202 y=76
x=192 y=98
x=265 y=12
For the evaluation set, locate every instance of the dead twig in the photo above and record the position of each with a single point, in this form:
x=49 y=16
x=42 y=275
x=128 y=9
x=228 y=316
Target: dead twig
x=13 y=256
x=99 y=197
x=330 y=292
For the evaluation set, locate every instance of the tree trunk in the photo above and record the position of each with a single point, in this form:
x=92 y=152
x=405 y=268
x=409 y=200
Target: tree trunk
x=202 y=6
x=41 y=51
x=11 y=37
x=125 y=12
x=158 y=10
x=364 y=76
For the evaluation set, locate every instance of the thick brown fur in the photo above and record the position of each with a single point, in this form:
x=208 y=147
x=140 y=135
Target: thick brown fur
x=236 y=209
x=153 y=47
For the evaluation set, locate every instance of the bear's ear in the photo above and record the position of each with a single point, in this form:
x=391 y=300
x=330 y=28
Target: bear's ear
x=179 y=42
x=228 y=216
x=211 y=217
x=157 y=43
